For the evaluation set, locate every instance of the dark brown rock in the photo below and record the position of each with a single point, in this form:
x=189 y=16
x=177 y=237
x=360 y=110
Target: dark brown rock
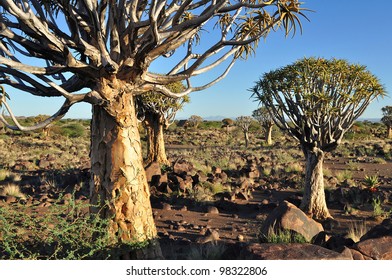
x=153 y=170
x=289 y=217
x=182 y=167
x=384 y=229
x=357 y=255
x=376 y=248
x=166 y=206
x=210 y=236
x=212 y=210
x=295 y=251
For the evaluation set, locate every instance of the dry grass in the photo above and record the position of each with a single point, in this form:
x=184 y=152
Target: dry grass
x=357 y=230
x=12 y=190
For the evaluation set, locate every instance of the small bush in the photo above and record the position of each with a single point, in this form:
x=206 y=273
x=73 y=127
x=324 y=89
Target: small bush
x=64 y=232
x=72 y=130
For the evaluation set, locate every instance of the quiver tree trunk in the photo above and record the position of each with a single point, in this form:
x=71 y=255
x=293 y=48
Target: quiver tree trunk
x=118 y=181
x=246 y=135
x=313 y=202
x=389 y=132
x=155 y=141
x=268 y=134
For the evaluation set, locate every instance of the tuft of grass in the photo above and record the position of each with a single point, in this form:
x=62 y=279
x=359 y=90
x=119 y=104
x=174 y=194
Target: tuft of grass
x=353 y=166
x=4 y=174
x=294 y=168
x=378 y=210
x=12 y=190
x=357 y=230
x=282 y=236
x=344 y=175
x=379 y=160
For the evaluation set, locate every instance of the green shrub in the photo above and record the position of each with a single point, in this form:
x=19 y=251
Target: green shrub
x=63 y=232
x=72 y=130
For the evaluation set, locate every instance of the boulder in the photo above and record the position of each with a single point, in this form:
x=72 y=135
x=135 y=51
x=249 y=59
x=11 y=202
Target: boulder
x=384 y=229
x=153 y=170
x=200 y=177
x=293 y=251
x=182 y=167
x=289 y=217
x=376 y=248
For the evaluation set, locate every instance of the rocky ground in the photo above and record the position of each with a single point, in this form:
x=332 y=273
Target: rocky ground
x=214 y=200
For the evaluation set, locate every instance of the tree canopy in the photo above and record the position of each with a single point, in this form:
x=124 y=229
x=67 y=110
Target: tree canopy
x=317 y=100
x=65 y=48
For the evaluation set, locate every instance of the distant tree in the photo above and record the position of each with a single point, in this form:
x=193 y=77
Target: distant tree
x=104 y=52
x=157 y=112
x=227 y=123
x=264 y=118
x=387 y=119
x=244 y=122
x=316 y=101
x=194 y=121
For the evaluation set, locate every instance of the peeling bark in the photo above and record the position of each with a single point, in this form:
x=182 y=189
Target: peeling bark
x=118 y=180
x=313 y=202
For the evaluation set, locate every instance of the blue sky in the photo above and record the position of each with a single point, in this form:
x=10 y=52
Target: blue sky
x=359 y=31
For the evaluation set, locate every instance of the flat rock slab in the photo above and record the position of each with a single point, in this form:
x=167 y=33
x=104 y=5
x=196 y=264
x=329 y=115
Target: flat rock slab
x=293 y=251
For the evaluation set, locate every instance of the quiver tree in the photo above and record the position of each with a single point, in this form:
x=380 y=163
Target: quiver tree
x=316 y=101
x=227 y=123
x=264 y=118
x=244 y=122
x=157 y=112
x=194 y=121
x=387 y=119
x=104 y=52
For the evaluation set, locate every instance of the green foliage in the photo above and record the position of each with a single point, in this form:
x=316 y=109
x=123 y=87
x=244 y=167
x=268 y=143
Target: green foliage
x=372 y=181
x=387 y=116
x=72 y=130
x=63 y=232
x=282 y=236
x=206 y=125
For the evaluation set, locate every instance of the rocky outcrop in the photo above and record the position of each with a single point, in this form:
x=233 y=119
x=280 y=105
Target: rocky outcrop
x=376 y=244
x=289 y=217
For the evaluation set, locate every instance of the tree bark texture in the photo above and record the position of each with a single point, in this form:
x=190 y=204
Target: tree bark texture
x=313 y=202
x=118 y=180
x=155 y=142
